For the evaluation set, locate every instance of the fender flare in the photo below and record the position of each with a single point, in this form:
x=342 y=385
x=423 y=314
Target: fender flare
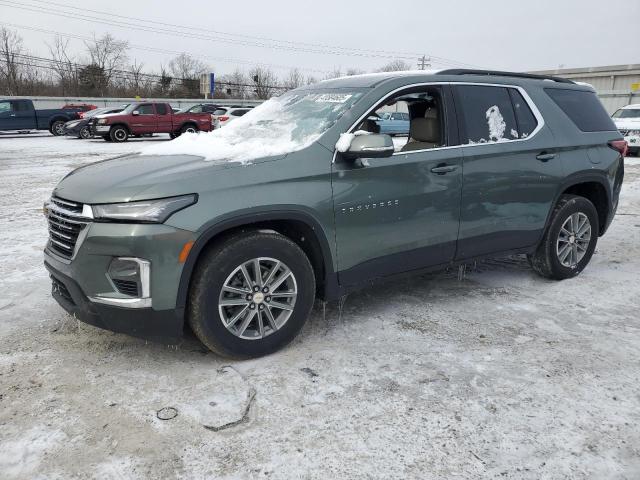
x=238 y=219
x=576 y=179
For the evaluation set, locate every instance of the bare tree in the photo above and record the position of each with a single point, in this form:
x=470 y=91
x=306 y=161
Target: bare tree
x=264 y=81
x=136 y=77
x=188 y=70
x=337 y=72
x=163 y=87
x=64 y=66
x=395 y=66
x=11 y=61
x=353 y=71
x=311 y=80
x=295 y=79
x=234 y=84
x=107 y=55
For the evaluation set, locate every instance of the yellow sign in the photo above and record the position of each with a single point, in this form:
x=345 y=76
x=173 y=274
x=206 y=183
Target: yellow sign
x=635 y=86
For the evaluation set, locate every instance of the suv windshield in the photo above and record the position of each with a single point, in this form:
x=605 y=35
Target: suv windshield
x=627 y=113
x=279 y=126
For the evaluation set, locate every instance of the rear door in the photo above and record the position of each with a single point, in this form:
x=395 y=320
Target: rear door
x=511 y=170
x=146 y=121
x=399 y=213
x=165 y=118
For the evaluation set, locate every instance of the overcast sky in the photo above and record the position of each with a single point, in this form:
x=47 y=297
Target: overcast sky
x=533 y=35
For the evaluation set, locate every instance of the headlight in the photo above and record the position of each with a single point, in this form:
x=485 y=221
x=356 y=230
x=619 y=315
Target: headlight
x=102 y=121
x=153 y=211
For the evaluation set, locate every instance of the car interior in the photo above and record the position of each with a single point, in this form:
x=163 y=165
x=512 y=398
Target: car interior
x=426 y=128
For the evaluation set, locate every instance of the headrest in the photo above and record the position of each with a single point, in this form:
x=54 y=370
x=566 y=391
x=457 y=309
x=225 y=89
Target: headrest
x=425 y=130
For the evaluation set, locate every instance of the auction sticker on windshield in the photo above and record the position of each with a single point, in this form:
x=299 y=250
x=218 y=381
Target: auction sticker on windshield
x=333 y=97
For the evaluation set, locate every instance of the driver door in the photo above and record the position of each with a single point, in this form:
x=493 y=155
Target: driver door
x=398 y=213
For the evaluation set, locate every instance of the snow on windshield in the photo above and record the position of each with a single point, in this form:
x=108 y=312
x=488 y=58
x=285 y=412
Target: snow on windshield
x=280 y=125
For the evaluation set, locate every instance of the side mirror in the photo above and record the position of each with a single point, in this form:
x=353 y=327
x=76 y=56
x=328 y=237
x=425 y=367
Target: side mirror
x=375 y=145
x=135 y=112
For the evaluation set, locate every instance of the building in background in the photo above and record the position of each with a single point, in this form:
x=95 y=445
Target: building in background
x=617 y=85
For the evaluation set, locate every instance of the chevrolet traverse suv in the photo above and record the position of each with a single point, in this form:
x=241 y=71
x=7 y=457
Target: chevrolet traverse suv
x=314 y=202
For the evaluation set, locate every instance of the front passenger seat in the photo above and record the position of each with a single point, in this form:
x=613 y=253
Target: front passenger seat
x=423 y=133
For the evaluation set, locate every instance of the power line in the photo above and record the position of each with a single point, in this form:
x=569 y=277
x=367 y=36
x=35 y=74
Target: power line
x=130 y=25
x=208 y=30
x=164 y=51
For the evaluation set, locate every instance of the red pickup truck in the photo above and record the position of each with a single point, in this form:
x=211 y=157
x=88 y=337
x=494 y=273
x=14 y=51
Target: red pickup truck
x=146 y=118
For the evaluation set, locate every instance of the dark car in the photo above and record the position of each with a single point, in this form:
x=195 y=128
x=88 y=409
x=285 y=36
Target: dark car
x=81 y=127
x=21 y=115
x=301 y=201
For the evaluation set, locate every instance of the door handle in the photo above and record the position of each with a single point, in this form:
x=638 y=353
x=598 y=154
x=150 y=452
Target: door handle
x=443 y=168
x=12 y=115
x=545 y=157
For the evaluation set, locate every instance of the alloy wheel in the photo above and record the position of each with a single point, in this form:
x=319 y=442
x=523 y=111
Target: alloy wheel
x=257 y=298
x=573 y=239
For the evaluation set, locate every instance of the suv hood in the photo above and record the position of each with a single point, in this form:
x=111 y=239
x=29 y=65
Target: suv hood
x=141 y=177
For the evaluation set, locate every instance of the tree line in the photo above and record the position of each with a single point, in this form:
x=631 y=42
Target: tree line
x=105 y=69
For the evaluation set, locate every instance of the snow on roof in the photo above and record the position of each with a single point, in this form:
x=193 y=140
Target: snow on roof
x=399 y=73
x=633 y=105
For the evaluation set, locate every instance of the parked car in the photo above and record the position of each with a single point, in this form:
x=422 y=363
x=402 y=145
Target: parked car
x=147 y=118
x=224 y=115
x=239 y=250
x=627 y=120
x=394 y=123
x=79 y=107
x=21 y=115
x=201 y=108
x=81 y=128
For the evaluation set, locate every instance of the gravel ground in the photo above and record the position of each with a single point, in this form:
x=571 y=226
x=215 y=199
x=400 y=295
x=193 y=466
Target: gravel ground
x=491 y=372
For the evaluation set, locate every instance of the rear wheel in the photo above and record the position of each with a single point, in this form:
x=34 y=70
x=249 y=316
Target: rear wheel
x=189 y=129
x=570 y=240
x=57 y=128
x=251 y=295
x=118 y=134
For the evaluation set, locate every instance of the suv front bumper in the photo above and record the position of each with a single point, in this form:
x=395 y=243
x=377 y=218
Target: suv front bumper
x=147 y=323
x=82 y=285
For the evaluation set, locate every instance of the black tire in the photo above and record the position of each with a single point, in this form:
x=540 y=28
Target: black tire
x=545 y=261
x=85 y=133
x=118 y=134
x=57 y=128
x=172 y=135
x=213 y=269
x=189 y=128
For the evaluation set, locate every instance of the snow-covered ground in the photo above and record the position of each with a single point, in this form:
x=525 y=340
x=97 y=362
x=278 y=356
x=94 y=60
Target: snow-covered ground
x=493 y=374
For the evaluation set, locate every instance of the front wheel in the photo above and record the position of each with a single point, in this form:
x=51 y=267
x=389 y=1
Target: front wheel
x=570 y=240
x=57 y=128
x=251 y=294
x=118 y=134
x=85 y=133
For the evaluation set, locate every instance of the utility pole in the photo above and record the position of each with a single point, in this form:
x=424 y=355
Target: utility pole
x=424 y=62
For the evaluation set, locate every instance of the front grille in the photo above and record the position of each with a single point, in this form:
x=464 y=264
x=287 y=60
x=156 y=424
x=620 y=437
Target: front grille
x=127 y=287
x=65 y=224
x=59 y=288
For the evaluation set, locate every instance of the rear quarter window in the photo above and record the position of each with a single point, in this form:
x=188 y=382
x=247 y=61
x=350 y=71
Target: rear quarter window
x=583 y=108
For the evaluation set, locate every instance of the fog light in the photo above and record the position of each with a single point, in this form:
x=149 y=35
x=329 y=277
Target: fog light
x=130 y=276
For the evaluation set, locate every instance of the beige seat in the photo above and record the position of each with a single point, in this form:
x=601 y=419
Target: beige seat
x=423 y=133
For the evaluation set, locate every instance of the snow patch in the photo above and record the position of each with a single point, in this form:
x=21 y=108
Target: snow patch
x=277 y=127
x=344 y=142
x=496 y=124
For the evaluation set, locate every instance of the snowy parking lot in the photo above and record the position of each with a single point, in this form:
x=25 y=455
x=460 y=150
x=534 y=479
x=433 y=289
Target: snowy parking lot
x=490 y=372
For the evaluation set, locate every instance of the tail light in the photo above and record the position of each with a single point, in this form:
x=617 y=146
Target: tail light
x=620 y=146
x=223 y=118
x=81 y=114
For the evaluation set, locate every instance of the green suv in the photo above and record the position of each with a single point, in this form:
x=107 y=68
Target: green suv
x=236 y=232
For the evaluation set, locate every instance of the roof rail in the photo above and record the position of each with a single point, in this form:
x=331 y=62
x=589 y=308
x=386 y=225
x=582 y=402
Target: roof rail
x=497 y=73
